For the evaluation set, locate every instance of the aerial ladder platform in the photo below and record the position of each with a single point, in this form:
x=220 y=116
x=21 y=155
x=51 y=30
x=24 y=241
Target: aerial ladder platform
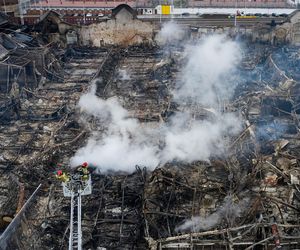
x=75 y=188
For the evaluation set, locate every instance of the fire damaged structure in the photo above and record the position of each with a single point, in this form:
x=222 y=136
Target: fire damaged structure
x=247 y=197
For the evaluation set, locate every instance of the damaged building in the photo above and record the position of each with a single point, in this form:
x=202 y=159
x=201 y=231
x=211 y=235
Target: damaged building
x=194 y=140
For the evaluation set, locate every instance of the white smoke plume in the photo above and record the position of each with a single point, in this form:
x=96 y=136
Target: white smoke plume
x=199 y=141
x=208 y=77
x=170 y=33
x=199 y=223
x=126 y=142
x=122 y=146
x=123 y=75
x=228 y=212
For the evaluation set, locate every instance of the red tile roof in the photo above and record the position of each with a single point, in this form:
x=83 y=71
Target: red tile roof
x=82 y=4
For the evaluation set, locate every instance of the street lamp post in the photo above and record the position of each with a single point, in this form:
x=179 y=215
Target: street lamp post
x=235 y=13
x=21 y=12
x=4 y=6
x=160 y=11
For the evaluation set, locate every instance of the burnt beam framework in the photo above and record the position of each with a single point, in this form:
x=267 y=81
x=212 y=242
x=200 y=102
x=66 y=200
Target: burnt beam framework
x=124 y=210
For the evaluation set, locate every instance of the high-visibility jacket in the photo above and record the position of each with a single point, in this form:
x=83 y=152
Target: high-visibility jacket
x=85 y=177
x=85 y=171
x=63 y=177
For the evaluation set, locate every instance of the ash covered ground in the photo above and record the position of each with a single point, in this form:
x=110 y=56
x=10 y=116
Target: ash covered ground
x=196 y=144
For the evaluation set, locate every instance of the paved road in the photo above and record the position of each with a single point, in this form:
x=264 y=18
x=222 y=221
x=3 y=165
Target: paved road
x=211 y=21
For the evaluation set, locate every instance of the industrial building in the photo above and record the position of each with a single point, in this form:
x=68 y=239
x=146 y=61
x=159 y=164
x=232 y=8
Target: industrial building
x=86 y=12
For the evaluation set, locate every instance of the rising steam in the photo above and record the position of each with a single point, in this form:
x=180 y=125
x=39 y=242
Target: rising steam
x=170 y=33
x=123 y=144
x=229 y=212
x=208 y=77
x=206 y=80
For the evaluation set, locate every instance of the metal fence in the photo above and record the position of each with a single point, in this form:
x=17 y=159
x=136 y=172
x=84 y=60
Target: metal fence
x=9 y=238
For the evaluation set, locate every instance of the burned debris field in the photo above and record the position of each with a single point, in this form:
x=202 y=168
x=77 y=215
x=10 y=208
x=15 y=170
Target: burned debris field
x=195 y=143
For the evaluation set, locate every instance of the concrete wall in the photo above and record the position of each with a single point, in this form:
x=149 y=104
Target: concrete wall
x=260 y=34
x=295 y=28
x=288 y=32
x=123 y=30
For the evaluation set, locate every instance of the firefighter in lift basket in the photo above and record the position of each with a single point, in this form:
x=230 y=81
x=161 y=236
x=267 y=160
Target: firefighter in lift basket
x=62 y=176
x=83 y=171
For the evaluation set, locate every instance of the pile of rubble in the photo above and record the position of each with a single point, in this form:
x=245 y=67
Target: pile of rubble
x=244 y=200
x=250 y=199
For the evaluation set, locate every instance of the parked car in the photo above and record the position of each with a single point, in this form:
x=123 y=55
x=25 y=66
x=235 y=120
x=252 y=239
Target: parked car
x=283 y=15
x=185 y=14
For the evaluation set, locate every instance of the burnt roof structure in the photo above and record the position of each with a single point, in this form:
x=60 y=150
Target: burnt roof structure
x=3 y=18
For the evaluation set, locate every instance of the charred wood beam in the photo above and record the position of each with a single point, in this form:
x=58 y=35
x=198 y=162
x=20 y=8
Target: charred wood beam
x=49 y=151
x=116 y=221
x=165 y=214
x=283 y=203
x=260 y=242
x=206 y=233
x=281 y=72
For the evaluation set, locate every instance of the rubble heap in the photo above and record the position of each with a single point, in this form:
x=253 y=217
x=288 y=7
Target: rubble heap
x=246 y=199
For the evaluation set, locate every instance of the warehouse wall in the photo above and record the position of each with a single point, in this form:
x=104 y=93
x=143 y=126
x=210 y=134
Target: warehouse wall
x=123 y=30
